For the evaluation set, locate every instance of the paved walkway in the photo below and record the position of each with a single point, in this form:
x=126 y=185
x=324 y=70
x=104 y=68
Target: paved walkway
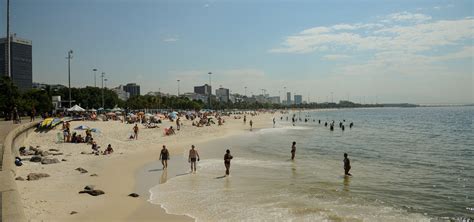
x=5 y=128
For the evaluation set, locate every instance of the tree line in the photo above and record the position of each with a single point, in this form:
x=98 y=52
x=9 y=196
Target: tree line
x=89 y=97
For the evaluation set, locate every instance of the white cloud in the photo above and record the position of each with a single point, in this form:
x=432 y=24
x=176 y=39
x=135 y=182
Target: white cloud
x=170 y=39
x=413 y=37
x=336 y=57
x=407 y=16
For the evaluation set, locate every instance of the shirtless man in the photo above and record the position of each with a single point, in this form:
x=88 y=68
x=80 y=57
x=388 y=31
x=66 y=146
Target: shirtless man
x=347 y=165
x=135 y=131
x=164 y=157
x=293 y=150
x=227 y=158
x=193 y=154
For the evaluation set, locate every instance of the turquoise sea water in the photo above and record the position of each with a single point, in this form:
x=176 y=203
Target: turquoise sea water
x=408 y=164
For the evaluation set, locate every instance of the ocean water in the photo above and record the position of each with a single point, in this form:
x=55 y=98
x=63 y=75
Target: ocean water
x=408 y=164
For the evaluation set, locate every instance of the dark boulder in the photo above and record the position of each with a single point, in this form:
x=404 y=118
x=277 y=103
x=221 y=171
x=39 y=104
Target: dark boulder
x=36 y=176
x=35 y=159
x=82 y=170
x=93 y=192
x=133 y=195
x=50 y=161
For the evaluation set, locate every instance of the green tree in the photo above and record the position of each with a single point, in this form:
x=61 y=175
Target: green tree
x=9 y=96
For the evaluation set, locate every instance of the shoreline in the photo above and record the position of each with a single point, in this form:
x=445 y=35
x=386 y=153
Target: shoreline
x=51 y=199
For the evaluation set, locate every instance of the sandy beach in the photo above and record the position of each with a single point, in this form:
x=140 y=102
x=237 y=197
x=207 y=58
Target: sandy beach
x=54 y=198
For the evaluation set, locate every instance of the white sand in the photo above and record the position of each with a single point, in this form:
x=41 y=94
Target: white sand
x=53 y=198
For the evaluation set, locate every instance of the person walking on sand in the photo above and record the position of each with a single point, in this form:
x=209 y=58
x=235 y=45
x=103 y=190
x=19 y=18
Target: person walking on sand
x=273 y=122
x=164 y=157
x=178 y=124
x=227 y=158
x=347 y=165
x=251 y=124
x=135 y=131
x=193 y=155
x=245 y=119
x=293 y=150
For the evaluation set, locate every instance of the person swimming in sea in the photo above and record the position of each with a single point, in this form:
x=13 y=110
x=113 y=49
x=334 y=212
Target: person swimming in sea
x=193 y=156
x=293 y=150
x=227 y=158
x=347 y=165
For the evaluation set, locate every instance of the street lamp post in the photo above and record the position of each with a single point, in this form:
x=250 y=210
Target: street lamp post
x=159 y=101
x=210 y=90
x=245 y=91
x=69 y=57
x=102 y=76
x=178 y=87
x=8 y=68
x=95 y=77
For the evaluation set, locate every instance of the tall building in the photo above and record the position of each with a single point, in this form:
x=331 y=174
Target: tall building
x=298 y=99
x=288 y=98
x=132 y=88
x=274 y=99
x=21 y=61
x=222 y=94
x=121 y=93
x=203 y=90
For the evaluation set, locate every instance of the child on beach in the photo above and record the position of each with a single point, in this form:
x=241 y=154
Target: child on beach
x=108 y=150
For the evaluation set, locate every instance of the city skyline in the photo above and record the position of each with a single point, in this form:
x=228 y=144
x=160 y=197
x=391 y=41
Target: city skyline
x=420 y=52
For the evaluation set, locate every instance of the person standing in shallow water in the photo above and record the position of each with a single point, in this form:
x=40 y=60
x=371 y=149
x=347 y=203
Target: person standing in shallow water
x=347 y=165
x=164 y=157
x=193 y=156
x=227 y=158
x=293 y=150
x=251 y=124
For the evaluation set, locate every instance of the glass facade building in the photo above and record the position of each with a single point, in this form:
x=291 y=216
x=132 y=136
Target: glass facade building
x=21 y=62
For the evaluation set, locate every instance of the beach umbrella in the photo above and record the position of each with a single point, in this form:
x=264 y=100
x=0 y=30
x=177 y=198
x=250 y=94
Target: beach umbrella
x=92 y=110
x=81 y=127
x=110 y=114
x=76 y=108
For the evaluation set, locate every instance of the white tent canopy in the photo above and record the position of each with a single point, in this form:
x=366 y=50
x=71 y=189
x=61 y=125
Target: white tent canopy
x=76 y=108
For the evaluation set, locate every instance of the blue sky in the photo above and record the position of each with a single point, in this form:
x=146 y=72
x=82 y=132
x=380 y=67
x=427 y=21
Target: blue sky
x=395 y=51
